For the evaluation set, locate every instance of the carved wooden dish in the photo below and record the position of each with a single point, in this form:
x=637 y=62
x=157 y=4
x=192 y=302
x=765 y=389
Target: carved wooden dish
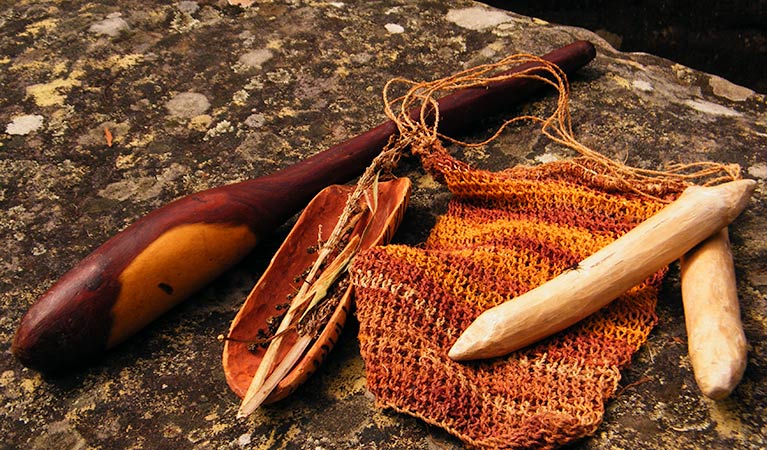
x=270 y=296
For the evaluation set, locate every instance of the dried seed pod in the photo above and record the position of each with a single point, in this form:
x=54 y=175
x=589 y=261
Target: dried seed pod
x=275 y=284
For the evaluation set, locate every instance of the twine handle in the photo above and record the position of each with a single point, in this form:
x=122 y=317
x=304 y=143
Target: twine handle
x=419 y=131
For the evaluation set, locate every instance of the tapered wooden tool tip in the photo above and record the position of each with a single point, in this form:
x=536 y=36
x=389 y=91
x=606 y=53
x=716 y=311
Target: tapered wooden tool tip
x=473 y=343
x=460 y=351
x=735 y=193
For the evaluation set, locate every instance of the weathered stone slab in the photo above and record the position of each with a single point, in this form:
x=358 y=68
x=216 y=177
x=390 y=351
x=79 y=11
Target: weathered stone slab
x=199 y=94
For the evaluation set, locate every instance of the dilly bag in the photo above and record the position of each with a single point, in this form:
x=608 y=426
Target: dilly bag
x=503 y=234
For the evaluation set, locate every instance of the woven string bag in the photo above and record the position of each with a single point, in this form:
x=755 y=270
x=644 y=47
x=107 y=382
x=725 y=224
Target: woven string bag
x=503 y=234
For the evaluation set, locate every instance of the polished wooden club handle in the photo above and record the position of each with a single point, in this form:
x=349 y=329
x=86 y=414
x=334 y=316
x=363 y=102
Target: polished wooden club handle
x=173 y=251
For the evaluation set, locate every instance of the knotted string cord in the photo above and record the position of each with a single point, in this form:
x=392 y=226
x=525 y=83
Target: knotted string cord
x=419 y=131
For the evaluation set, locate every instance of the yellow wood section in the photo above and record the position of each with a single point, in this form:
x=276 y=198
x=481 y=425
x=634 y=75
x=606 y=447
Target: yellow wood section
x=178 y=263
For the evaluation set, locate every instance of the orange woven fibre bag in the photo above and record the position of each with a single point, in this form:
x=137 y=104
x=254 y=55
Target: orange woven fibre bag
x=504 y=233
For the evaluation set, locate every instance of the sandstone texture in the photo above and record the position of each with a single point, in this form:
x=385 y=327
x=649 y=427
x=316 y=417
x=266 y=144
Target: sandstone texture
x=200 y=94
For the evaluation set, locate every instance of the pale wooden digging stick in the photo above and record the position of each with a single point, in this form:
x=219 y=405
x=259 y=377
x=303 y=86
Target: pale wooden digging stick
x=575 y=294
x=715 y=338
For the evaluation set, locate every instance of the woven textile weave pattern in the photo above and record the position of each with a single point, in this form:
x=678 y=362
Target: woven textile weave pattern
x=504 y=233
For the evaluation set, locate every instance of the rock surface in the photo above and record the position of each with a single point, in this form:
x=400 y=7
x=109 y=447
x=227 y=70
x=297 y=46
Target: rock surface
x=199 y=94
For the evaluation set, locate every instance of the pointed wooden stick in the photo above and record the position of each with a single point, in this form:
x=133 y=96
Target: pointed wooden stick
x=715 y=338
x=575 y=294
